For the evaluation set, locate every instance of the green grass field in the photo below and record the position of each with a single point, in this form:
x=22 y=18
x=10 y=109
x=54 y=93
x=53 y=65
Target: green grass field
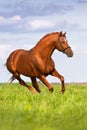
x=21 y=110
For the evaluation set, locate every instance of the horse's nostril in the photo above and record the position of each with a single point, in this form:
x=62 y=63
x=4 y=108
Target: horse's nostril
x=71 y=54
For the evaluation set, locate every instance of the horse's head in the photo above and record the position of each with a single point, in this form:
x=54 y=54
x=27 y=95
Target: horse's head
x=63 y=46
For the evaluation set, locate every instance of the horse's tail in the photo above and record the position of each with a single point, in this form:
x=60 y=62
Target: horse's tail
x=12 y=78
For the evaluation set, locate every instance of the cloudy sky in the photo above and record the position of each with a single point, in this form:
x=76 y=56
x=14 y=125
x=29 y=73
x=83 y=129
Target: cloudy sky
x=24 y=22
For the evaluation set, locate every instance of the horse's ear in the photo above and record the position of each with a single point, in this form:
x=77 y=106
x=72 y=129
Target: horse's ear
x=64 y=34
x=60 y=34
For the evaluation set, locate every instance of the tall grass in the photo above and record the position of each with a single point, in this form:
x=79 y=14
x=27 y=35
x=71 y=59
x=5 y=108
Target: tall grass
x=19 y=109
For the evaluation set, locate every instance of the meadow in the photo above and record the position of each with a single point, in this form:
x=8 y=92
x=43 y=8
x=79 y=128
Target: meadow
x=22 y=110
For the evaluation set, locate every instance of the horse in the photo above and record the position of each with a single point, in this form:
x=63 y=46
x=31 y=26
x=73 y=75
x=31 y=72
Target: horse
x=37 y=62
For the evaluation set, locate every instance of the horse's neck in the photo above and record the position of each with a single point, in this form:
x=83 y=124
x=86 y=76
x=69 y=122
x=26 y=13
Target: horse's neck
x=45 y=49
x=46 y=45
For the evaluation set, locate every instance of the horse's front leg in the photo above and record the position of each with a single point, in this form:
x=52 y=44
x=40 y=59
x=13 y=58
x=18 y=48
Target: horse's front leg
x=43 y=79
x=56 y=74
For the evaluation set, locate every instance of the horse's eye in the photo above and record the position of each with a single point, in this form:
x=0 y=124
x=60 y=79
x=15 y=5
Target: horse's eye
x=62 y=42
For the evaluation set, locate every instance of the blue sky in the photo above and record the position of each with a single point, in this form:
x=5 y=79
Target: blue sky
x=24 y=22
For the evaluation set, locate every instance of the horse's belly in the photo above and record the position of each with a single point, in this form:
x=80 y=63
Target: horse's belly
x=27 y=70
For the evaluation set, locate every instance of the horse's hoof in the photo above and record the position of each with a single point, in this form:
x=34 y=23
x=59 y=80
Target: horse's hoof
x=63 y=91
x=39 y=91
x=51 y=89
x=32 y=90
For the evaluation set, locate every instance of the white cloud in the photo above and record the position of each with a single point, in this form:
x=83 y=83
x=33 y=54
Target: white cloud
x=10 y=20
x=38 y=24
x=17 y=23
x=15 y=19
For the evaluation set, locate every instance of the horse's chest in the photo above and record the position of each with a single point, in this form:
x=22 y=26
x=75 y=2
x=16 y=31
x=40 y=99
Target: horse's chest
x=43 y=66
x=49 y=66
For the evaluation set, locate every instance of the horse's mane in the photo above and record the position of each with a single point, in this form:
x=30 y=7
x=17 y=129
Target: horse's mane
x=47 y=36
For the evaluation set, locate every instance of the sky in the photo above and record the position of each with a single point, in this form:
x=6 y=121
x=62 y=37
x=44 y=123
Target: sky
x=24 y=22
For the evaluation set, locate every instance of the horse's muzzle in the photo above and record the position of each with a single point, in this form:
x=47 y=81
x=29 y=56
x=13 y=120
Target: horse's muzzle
x=69 y=52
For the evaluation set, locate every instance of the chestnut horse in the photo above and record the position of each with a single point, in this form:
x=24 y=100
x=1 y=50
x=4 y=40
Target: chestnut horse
x=37 y=62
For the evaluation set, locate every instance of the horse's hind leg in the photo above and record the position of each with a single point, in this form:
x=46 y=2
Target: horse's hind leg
x=56 y=74
x=34 y=83
x=17 y=76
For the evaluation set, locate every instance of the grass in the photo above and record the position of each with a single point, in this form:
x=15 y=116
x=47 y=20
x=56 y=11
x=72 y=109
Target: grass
x=19 y=109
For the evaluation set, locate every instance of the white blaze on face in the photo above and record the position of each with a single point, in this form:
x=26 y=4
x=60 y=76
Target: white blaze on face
x=65 y=40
